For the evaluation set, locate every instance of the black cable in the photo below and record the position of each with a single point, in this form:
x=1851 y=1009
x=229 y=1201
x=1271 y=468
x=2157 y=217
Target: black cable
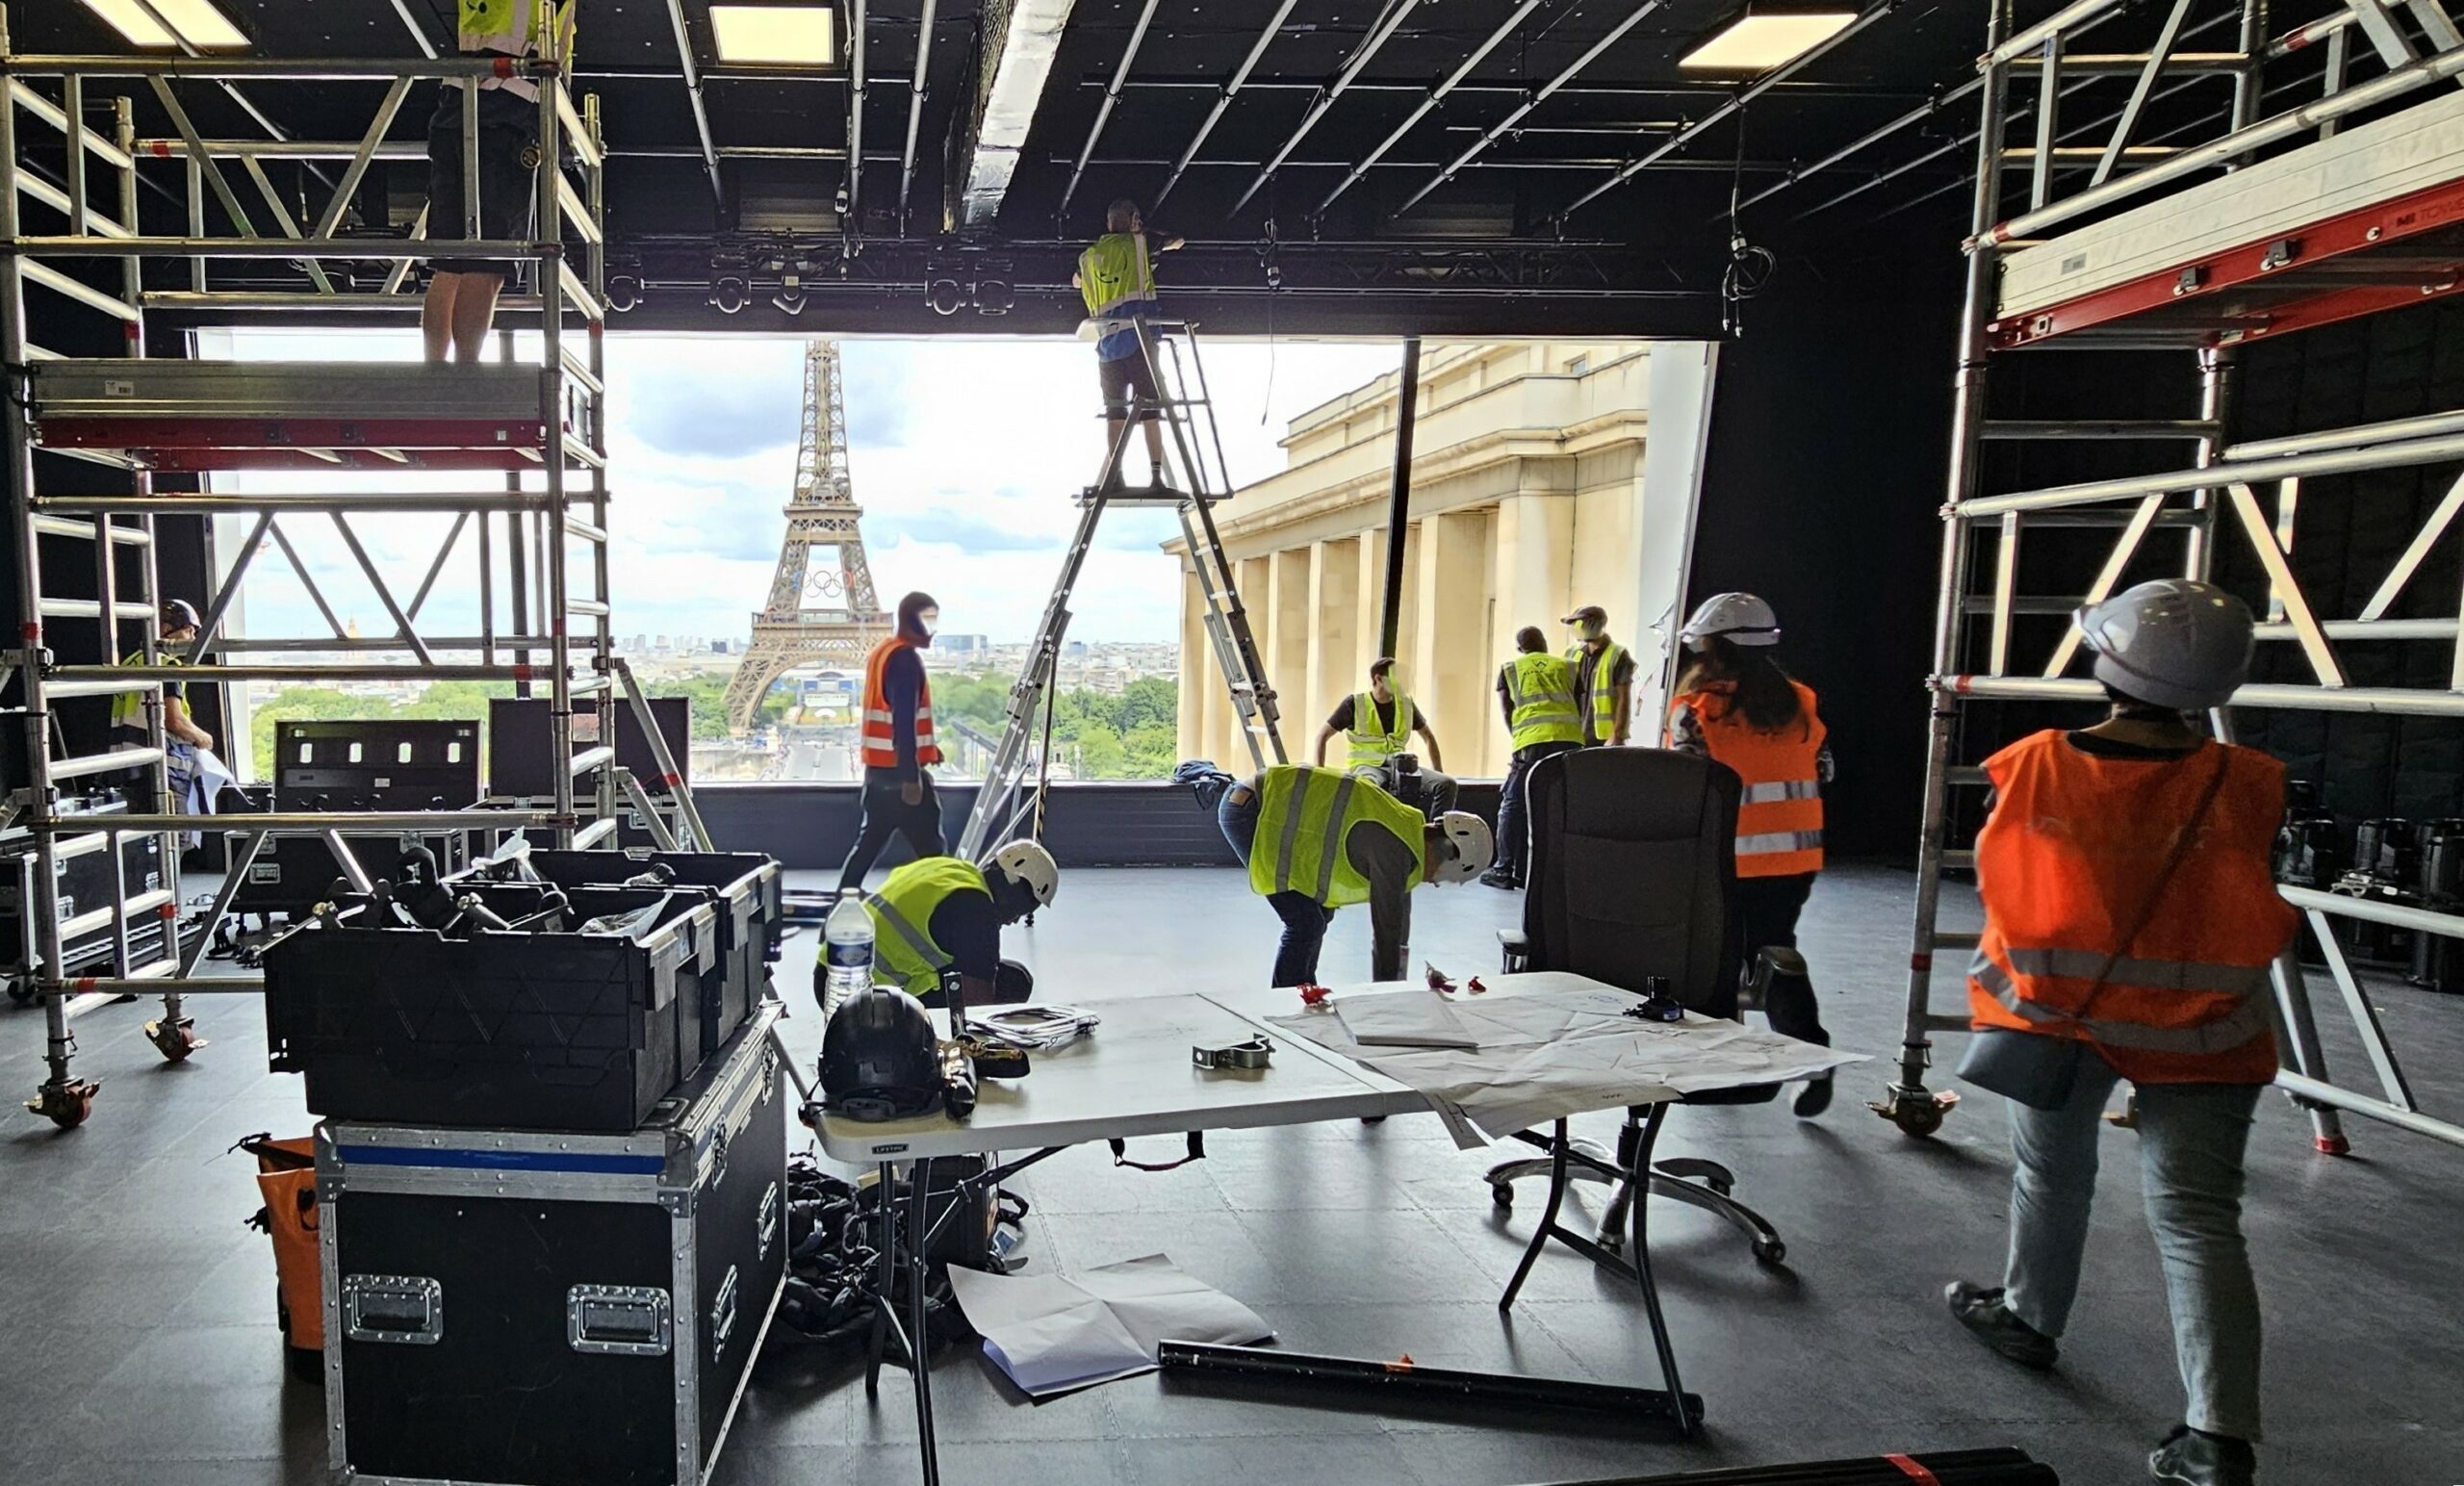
x=1750 y=266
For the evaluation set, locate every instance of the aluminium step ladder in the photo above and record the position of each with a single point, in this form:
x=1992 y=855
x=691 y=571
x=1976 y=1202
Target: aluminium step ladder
x=1007 y=801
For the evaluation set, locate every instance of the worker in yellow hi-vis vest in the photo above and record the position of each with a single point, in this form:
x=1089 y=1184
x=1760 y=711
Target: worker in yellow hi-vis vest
x=461 y=302
x=1378 y=725
x=1116 y=277
x=1316 y=839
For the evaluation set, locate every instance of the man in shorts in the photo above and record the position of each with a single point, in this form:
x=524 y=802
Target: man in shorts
x=1116 y=277
x=461 y=303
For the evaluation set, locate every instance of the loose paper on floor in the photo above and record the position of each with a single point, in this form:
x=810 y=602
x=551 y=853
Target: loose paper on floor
x=1052 y=1333
x=1545 y=1053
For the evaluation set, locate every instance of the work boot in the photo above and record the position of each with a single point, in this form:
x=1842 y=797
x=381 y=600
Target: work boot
x=1499 y=877
x=1982 y=1311
x=1814 y=1097
x=2196 y=1458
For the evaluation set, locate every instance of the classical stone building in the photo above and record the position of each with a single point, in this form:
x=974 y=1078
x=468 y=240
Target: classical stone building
x=1527 y=500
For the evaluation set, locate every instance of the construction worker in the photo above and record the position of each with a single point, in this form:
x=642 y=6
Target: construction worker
x=897 y=746
x=1735 y=706
x=1536 y=693
x=1603 y=679
x=938 y=915
x=1116 y=278
x=1381 y=723
x=2130 y=919
x=183 y=740
x=1388 y=847
x=461 y=303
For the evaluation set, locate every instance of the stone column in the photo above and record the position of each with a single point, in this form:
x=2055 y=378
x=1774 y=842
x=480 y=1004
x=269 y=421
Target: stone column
x=1448 y=676
x=1335 y=661
x=1202 y=698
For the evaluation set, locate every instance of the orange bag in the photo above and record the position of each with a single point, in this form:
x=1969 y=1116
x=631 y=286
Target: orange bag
x=287 y=1177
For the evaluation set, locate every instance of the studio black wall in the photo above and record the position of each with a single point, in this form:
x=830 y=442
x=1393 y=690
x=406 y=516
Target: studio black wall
x=1830 y=428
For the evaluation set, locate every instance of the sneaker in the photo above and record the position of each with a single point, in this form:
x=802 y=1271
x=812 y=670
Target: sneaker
x=1814 y=1097
x=1499 y=877
x=1982 y=1311
x=2195 y=1458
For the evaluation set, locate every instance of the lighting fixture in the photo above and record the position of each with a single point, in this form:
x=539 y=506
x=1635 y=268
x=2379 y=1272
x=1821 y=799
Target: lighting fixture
x=728 y=294
x=624 y=292
x=943 y=294
x=995 y=295
x=195 y=21
x=775 y=36
x=1761 y=40
x=790 y=298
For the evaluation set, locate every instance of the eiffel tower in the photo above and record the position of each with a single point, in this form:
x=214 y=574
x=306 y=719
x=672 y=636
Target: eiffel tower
x=822 y=608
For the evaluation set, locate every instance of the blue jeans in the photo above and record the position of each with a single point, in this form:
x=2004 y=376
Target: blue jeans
x=1304 y=918
x=2191 y=1142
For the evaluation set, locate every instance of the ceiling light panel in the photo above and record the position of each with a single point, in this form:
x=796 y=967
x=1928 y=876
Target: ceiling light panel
x=197 y=23
x=775 y=36
x=1759 y=42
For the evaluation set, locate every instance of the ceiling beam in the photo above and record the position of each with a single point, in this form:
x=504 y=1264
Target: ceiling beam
x=1104 y=110
x=915 y=112
x=1454 y=80
x=1378 y=34
x=1224 y=95
x=1499 y=131
x=693 y=94
x=851 y=205
x=1017 y=60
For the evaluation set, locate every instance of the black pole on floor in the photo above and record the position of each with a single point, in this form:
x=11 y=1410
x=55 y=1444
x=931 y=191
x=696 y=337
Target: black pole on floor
x=1398 y=511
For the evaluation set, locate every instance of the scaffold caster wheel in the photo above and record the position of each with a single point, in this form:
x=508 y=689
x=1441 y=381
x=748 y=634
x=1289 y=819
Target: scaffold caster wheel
x=21 y=989
x=1501 y=1194
x=1770 y=1251
x=1917 y=1112
x=174 y=1039
x=66 y=1102
x=2332 y=1144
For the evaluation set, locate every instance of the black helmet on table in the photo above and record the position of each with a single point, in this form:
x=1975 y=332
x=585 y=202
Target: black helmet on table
x=880 y=1059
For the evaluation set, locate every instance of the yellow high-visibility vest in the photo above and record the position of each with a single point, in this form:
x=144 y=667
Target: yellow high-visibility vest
x=1540 y=688
x=1115 y=274
x=903 y=943
x=1303 y=817
x=1372 y=740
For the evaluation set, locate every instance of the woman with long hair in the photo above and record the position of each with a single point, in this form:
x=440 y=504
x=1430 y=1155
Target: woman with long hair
x=1735 y=706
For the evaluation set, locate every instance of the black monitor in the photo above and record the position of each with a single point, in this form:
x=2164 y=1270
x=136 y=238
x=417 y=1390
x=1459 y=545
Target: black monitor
x=517 y=764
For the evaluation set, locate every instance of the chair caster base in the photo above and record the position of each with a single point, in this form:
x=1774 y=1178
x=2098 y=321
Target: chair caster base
x=1771 y=1252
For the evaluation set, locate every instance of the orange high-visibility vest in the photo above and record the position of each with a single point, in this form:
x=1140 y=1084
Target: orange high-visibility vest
x=879 y=748
x=2067 y=864
x=1779 y=820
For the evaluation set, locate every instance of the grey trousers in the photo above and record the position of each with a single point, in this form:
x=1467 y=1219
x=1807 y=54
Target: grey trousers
x=2190 y=1139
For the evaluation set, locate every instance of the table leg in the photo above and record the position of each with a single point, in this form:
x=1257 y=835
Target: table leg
x=919 y=1344
x=1638 y=1176
x=1547 y=1227
x=885 y=1279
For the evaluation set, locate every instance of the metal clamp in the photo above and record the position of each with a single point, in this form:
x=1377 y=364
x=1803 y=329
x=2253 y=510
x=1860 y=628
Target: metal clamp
x=406 y=1309
x=1252 y=1054
x=621 y=1321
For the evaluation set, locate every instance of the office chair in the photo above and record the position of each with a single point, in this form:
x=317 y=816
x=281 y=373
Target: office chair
x=1632 y=873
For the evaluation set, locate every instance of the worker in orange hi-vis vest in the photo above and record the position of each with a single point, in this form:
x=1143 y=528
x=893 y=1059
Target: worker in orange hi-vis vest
x=898 y=746
x=2130 y=920
x=1735 y=706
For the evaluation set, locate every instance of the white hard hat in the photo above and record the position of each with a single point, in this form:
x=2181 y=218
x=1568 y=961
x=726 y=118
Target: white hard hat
x=2172 y=642
x=1472 y=848
x=1743 y=618
x=1029 y=864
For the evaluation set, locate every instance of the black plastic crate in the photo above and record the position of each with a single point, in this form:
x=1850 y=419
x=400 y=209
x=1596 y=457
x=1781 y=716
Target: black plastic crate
x=556 y=1030
x=745 y=889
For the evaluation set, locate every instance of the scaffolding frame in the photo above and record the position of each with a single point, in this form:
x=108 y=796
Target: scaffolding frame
x=570 y=501
x=2215 y=498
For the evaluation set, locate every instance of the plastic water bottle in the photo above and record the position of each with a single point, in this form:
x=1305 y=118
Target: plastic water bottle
x=847 y=936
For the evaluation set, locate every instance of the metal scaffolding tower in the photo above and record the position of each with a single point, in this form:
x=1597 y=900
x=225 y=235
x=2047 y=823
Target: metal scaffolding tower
x=822 y=607
x=2342 y=225
x=539 y=426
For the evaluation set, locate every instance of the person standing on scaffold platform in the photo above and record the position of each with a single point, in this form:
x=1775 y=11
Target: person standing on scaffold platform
x=1116 y=277
x=898 y=745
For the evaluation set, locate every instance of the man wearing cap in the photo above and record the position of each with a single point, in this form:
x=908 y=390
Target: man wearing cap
x=1604 y=675
x=182 y=738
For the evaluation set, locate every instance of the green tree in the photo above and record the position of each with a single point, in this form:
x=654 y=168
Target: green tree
x=1149 y=702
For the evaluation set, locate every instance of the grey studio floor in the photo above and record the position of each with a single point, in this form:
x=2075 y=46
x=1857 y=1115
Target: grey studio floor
x=138 y=1323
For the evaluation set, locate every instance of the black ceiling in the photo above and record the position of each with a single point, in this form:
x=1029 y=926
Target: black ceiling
x=1495 y=245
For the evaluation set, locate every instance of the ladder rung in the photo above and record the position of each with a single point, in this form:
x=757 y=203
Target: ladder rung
x=63 y=526
x=584 y=531
x=74 y=847
x=97 y=918
x=1956 y=938
x=1967 y=774
x=586 y=606
x=114 y=687
x=2097 y=428
x=104 y=763
x=1956 y=856
x=92 y=608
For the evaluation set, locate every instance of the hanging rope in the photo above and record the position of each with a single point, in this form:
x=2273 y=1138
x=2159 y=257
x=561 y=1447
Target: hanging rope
x=1750 y=266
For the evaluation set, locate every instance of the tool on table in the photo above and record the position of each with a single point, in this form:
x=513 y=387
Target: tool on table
x=1438 y=979
x=1037 y=1027
x=1657 y=1004
x=1249 y=1055
x=1475 y=987
x=1314 y=994
x=992 y=1058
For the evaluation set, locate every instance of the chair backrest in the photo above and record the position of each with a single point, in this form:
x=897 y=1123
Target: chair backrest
x=1632 y=871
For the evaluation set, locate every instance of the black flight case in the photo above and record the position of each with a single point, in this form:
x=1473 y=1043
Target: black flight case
x=552 y=1309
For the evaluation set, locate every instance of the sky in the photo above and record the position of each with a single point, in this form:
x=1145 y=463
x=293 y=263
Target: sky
x=965 y=455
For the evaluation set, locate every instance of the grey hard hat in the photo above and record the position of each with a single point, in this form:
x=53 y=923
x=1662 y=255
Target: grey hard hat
x=179 y=614
x=2172 y=642
x=1741 y=617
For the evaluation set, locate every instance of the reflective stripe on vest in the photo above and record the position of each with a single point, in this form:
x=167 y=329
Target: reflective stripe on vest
x=1372 y=740
x=1763 y=844
x=1305 y=816
x=1115 y=273
x=876 y=734
x=2245 y=1021
x=903 y=919
x=1780 y=813
x=1785 y=789
x=128 y=707
x=1540 y=696
x=897 y=923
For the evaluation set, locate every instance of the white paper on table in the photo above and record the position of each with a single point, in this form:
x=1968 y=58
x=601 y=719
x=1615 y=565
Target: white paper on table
x=1542 y=1056
x=1404 y=1018
x=1051 y=1333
